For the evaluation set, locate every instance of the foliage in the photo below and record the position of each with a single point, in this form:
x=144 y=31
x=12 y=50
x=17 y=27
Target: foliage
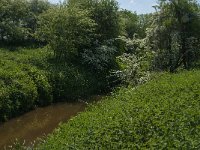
x=100 y=59
x=67 y=30
x=22 y=85
x=83 y=31
x=18 y=19
x=135 y=63
x=36 y=8
x=134 y=24
x=71 y=83
x=105 y=15
x=12 y=13
x=162 y=114
x=107 y=18
x=134 y=70
x=86 y=38
x=30 y=78
x=18 y=91
x=173 y=31
x=144 y=22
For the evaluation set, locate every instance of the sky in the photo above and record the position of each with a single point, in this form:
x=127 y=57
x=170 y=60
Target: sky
x=140 y=6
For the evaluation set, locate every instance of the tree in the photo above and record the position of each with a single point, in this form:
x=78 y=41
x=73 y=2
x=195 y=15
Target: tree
x=104 y=13
x=144 y=22
x=18 y=19
x=36 y=7
x=173 y=27
x=12 y=16
x=130 y=23
x=68 y=30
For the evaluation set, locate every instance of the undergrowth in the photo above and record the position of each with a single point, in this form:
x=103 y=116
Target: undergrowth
x=161 y=114
x=31 y=78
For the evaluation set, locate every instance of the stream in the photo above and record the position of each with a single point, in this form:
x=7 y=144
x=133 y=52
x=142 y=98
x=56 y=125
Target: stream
x=37 y=123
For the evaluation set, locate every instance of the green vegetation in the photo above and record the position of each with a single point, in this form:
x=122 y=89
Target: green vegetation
x=22 y=85
x=78 y=48
x=30 y=78
x=175 y=35
x=18 y=20
x=162 y=114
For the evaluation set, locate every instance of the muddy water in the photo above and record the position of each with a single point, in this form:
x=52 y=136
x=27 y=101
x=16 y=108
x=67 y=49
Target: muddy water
x=37 y=123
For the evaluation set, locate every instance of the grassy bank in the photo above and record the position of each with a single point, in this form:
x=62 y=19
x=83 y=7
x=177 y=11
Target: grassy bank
x=162 y=114
x=31 y=78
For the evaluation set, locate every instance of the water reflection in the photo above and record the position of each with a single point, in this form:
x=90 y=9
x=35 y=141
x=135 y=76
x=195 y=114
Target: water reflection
x=37 y=123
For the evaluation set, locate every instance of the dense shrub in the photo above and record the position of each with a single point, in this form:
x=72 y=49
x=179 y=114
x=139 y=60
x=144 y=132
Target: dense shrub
x=19 y=91
x=100 y=59
x=68 y=83
x=134 y=70
x=30 y=78
x=44 y=89
x=4 y=102
x=135 y=64
x=23 y=85
x=162 y=114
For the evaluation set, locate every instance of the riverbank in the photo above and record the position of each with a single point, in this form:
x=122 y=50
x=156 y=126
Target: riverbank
x=162 y=114
x=31 y=78
x=35 y=125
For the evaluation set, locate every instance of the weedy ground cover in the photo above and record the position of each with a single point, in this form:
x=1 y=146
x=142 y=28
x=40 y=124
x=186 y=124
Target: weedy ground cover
x=161 y=114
